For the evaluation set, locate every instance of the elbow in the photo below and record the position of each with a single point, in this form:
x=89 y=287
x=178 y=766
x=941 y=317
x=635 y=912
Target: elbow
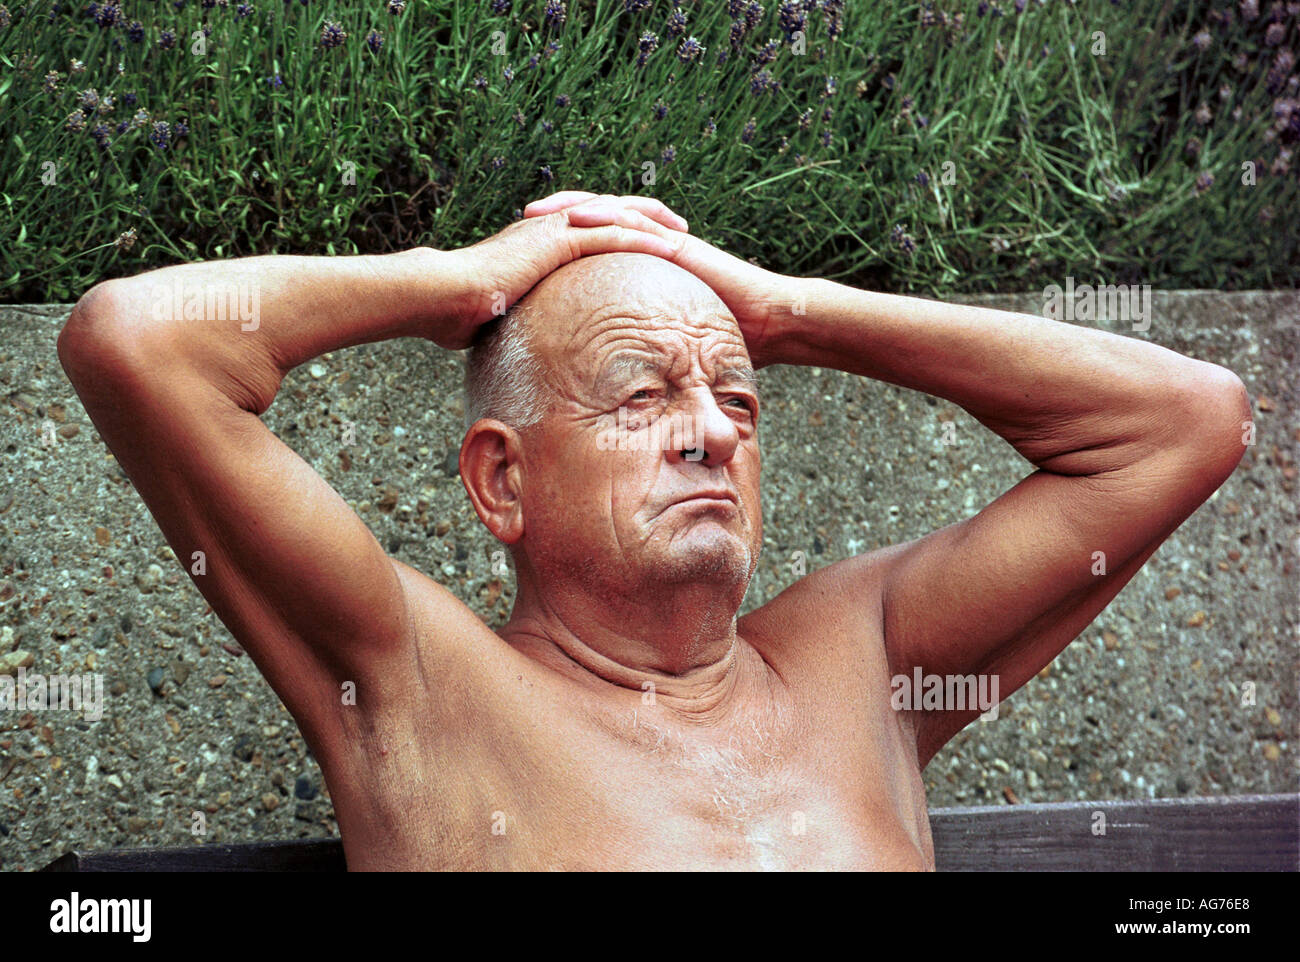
x=93 y=336
x=1219 y=420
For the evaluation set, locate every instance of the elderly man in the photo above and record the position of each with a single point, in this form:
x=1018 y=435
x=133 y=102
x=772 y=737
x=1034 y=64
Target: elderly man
x=625 y=718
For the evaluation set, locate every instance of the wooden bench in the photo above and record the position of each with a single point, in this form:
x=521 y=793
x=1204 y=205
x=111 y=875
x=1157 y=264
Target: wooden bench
x=1257 y=833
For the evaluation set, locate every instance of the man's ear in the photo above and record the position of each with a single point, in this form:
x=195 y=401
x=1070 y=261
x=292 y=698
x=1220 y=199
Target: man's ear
x=491 y=468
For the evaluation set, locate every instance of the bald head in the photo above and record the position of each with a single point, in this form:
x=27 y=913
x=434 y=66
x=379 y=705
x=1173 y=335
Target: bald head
x=518 y=360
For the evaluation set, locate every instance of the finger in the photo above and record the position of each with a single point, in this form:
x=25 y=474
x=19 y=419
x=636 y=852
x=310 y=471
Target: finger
x=557 y=201
x=657 y=210
x=652 y=208
x=614 y=238
x=601 y=213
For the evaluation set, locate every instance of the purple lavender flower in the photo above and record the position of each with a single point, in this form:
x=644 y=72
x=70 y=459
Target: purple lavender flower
x=747 y=134
x=332 y=35
x=1202 y=40
x=648 y=44
x=669 y=155
x=161 y=134
x=562 y=101
x=761 y=83
x=635 y=6
x=1249 y=10
x=520 y=119
x=676 y=23
x=923 y=178
x=552 y=48
x=243 y=10
x=480 y=82
x=1193 y=147
x=395 y=7
x=922 y=121
x=76 y=120
x=827 y=137
x=181 y=129
x=583 y=145
x=1203 y=114
x=275 y=80
x=533 y=61
x=106 y=105
x=690 y=50
x=555 y=14
x=805 y=119
x=100 y=133
x=982 y=9
x=1274 y=34
x=735 y=7
x=500 y=7
x=827 y=113
x=166 y=40
x=736 y=35
x=710 y=128
x=88 y=99
x=904 y=241
x=548 y=127
x=498 y=162
x=51 y=82
x=108 y=15
x=5 y=18
x=659 y=110
x=508 y=72
x=129 y=100
x=790 y=18
x=753 y=14
x=123 y=127
x=1203 y=183
x=135 y=32
x=375 y=41
x=1020 y=6
x=767 y=54
x=546 y=173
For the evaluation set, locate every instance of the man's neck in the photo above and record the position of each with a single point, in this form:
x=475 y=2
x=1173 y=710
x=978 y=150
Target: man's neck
x=683 y=648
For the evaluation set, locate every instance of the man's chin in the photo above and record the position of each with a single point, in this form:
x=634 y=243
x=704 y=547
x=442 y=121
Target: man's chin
x=706 y=553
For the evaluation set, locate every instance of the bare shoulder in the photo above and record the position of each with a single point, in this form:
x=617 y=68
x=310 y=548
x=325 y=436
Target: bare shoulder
x=829 y=616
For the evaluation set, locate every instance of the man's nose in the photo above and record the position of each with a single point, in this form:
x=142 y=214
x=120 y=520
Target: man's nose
x=704 y=433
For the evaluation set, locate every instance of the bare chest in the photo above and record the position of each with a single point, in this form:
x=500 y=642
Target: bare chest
x=549 y=786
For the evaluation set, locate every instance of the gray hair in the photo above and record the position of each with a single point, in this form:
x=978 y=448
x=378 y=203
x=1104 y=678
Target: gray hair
x=503 y=378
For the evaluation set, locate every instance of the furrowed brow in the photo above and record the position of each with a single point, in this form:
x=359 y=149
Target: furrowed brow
x=741 y=373
x=623 y=368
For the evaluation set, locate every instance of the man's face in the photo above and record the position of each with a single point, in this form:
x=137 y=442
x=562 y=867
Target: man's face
x=646 y=468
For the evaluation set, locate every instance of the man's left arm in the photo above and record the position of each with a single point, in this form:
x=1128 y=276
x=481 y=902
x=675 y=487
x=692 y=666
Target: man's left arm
x=1128 y=438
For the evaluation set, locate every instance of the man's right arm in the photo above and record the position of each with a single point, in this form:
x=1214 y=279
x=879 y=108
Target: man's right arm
x=290 y=569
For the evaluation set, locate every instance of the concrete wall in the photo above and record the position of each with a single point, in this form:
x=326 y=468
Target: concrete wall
x=1146 y=703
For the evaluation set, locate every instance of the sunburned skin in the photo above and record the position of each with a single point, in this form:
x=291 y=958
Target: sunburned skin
x=623 y=718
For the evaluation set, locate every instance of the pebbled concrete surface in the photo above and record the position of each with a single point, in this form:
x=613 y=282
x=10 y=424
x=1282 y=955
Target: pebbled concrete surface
x=1146 y=703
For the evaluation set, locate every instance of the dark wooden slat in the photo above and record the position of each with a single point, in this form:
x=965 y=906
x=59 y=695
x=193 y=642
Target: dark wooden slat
x=1252 y=833
x=1242 y=833
x=297 y=855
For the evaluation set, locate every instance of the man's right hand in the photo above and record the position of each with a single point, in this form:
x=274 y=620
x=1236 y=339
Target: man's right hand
x=497 y=271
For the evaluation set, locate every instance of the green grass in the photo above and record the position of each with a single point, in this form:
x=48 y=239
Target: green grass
x=1040 y=158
